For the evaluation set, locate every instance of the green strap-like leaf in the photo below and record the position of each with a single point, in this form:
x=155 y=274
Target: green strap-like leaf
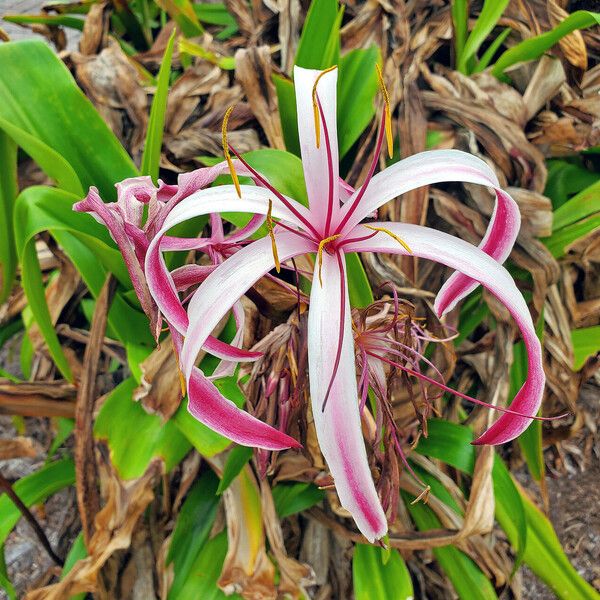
x=33 y=489
x=237 y=459
x=8 y=193
x=490 y=14
x=131 y=453
x=156 y=124
x=586 y=343
x=39 y=98
x=534 y=47
x=376 y=578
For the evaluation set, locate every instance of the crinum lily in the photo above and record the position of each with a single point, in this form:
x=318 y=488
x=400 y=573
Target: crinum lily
x=330 y=227
x=133 y=234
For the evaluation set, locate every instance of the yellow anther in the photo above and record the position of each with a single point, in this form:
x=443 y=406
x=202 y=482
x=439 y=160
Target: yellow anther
x=392 y=235
x=234 y=176
x=388 y=113
x=272 y=236
x=316 y=104
x=322 y=245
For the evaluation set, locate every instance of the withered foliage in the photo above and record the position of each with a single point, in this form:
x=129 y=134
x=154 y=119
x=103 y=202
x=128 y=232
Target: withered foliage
x=552 y=109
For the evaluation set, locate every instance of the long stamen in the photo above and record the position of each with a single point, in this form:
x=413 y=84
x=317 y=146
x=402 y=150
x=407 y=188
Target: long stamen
x=338 y=353
x=278 y=195
x=322 y=245
x=392 y=235
x=460 y=395
x=315 y=104
x=272 y=236
x=347 y=241
x=234 y=176
x=387 y=112
x=372 y=168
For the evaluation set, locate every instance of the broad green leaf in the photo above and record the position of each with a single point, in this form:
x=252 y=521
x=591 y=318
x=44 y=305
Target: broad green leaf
x=288 y=113
x=559 y=241
x=8 y=194
x=131 y=452
x=451 y=443
x=460 y=23
x=38 y=96
x=530 y=441
x=50 y=161
x=359 y=287
x=156 y=124
x=566 y=178
x=237 y=459
x=469 y=582
x=56 y=20
x=472 y=313
x=5 y=582
x=544 y=554
x=534 y=47
x=580 y=206
x=33 y=489
x=292 y=498
x=357 y=88
x=87 y=244
x=509 y=509
x=205 y=572
x=193 y=526
x=586 y=343
x=488 y=18
x=182 y=12
x=319 y=45
x=375 y=578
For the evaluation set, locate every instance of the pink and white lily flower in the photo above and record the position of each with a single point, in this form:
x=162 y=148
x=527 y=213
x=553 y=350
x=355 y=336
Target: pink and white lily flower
x=330 y=227
x=133 y=234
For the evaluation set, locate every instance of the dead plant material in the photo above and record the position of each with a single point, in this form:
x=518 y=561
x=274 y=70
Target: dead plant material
x=88 y=499
x=253 y=71
x=113 y=529
x=18 y=447
x=38 y=399
x=112 y=83
x=294 y=575
x=160 y=388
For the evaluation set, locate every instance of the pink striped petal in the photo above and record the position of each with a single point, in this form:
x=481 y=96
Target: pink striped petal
x=338 y=425
x=113 y=220
x=438 y=166
x=188 y=275
x=321 y=168
x=132 y=194
x=227 y=351
x=229 y=282
x=474 y=263
x=212 y=409
x=227 y=368
x=211 y=200
x=498 y=243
